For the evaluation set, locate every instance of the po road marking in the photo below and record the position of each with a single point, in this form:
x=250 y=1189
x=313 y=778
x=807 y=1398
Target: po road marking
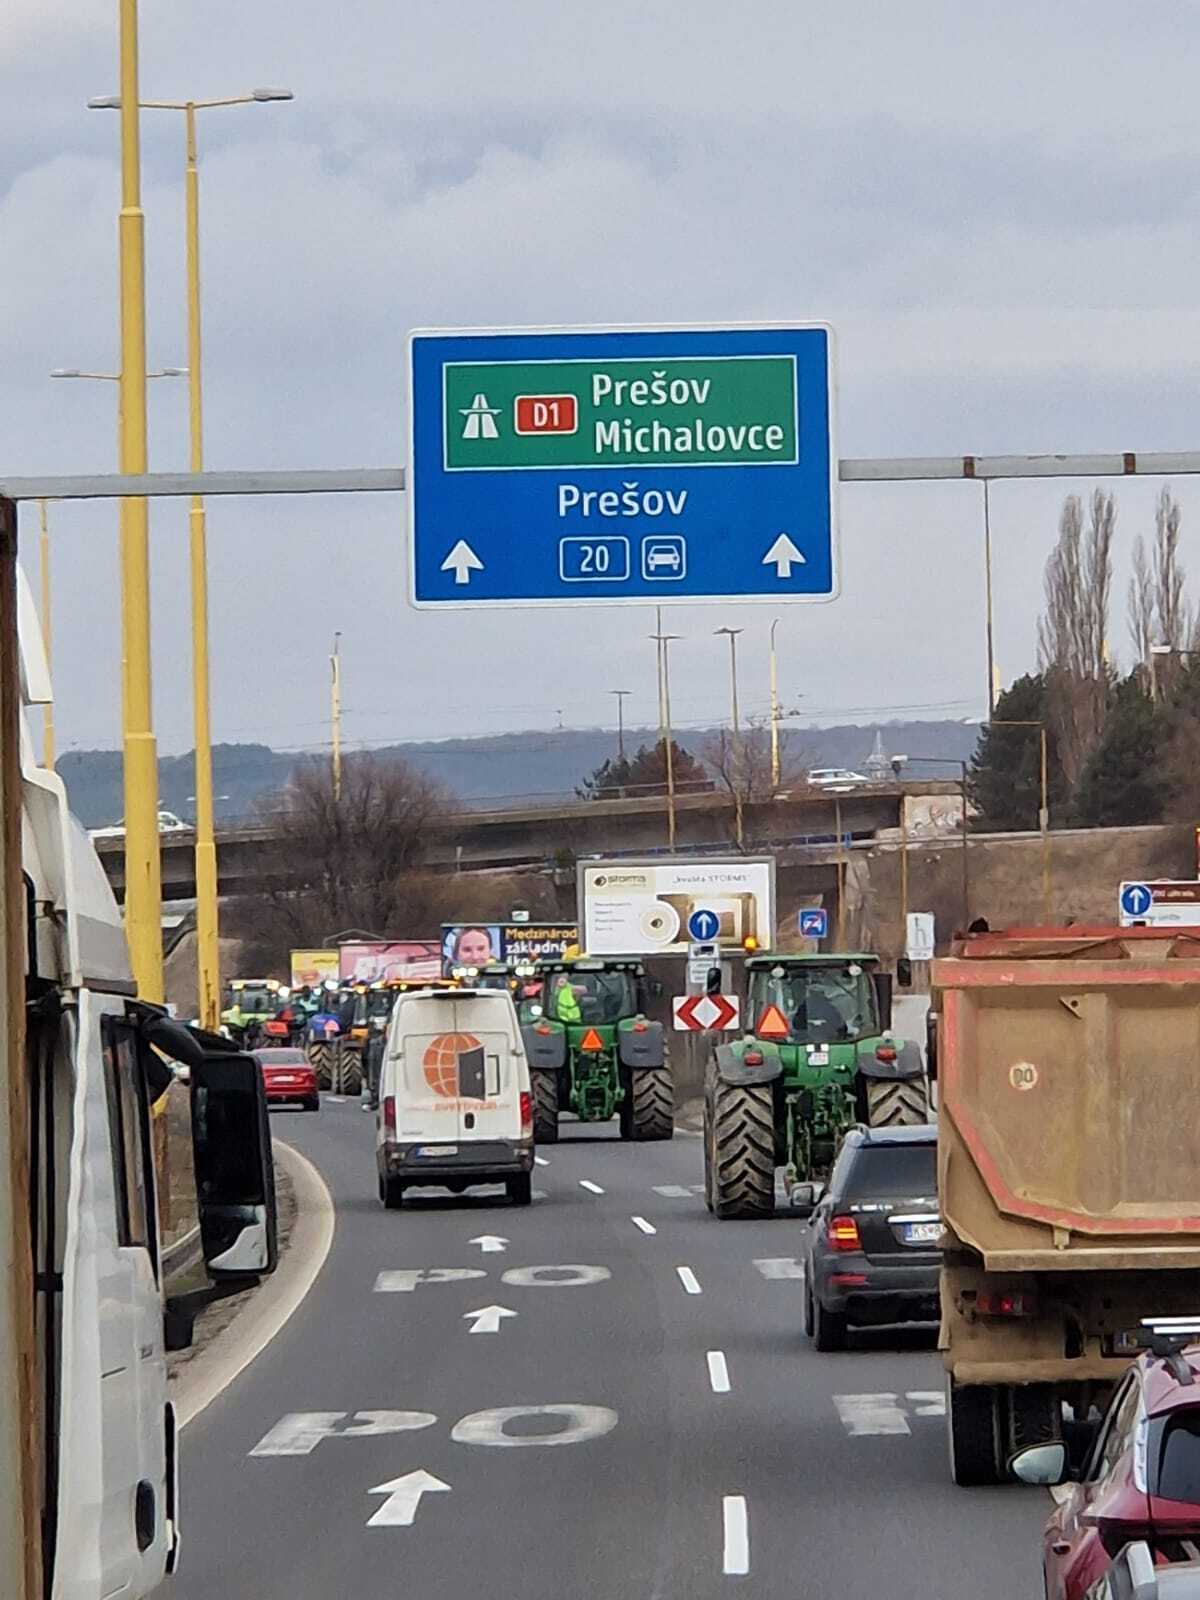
x=678 y=1191
x=737 y=1536
x=405 y=1280
x=780 y=1267
x=640 y=1222
x=718 y=1372
x=592 y=1188
x=867 y=1415
x=300 y=1432
x=689 y=1280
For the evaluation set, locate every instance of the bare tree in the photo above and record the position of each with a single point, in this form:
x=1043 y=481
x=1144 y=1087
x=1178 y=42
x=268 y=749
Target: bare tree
x=1141 y=605
x=1073 y=643
x=353 y=861
x=1173 y=624
x=742 y=767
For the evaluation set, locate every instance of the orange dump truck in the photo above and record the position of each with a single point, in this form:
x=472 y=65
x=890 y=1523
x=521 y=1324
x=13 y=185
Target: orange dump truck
x=1068 y=1064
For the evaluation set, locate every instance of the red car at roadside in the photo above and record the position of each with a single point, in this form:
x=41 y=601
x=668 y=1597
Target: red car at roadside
x=1139 y=1482
x=288 y=1078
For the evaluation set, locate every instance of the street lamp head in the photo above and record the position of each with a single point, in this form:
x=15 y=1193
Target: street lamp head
x=271 y=94
x=174 y=372
x=105 y=102
x=65 y=372
x=1161 y=650
x=732 y=632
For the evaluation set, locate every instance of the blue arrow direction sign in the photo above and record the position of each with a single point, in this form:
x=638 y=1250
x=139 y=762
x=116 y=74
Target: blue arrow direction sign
x=704 y=925
x=606 y=465
x=1136 y=899
x=814 y=923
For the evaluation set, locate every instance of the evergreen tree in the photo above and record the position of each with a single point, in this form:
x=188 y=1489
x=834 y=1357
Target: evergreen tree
x=1005 y=776
x=646 y=774
x=1121 y=785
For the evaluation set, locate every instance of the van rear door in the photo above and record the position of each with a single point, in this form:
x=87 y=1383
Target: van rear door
x=489 y=1093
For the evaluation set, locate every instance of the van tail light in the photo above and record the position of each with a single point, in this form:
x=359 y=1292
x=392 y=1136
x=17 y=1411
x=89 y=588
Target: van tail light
x=389 y=1116
x=526 y=1114
x=843 y=1234
x=1004 y=1303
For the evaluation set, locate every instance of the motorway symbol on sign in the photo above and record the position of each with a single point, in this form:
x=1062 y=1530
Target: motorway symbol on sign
x=814 y=922
x=1136 y=899
x=699 y=458
x=704 y=925
x=403 y=1497
x=700 y=1013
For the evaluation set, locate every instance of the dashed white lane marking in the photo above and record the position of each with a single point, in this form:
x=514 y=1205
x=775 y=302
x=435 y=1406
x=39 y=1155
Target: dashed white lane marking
x=718 y=1372
x=673 y=1191
x=865 y=1415
x=737 y=1536
x=541 y=1161
x=592 y=1188
x=640 y=1222
x=780 y=1267
x=335 y=1099
x=689 y=1280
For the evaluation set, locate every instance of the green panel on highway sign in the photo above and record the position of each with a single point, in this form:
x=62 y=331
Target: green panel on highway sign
x=718 y=411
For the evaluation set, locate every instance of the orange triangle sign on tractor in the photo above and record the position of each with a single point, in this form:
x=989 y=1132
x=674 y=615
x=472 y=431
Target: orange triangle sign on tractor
x=772 y=1024
x=591 y=1041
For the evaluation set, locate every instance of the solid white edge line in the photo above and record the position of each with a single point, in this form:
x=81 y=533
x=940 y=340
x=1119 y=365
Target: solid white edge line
x=646 y=1227
x=737 y=1536
x=592 y=1188
x=689 y=1280
x=718 y=1372
x=541 y=1161
x=249 y=1334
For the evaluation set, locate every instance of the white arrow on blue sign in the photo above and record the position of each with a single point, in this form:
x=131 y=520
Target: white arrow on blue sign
x=814 y=923
x=1136 y=899
x=704 y=925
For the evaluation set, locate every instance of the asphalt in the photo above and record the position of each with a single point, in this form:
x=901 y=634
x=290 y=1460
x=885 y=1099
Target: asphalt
x=834 y=1465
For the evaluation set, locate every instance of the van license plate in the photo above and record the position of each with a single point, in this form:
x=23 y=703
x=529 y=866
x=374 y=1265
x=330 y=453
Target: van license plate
x=922 y=1232
x=437 y=1150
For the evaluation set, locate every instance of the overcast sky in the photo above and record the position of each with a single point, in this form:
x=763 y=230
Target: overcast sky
x=995 y=207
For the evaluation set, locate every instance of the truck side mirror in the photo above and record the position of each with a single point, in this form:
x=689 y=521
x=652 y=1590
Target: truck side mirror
x=883 y=997
x=235 y=1172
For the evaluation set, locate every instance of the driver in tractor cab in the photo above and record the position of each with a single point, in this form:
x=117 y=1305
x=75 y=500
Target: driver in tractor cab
x=566 y=1000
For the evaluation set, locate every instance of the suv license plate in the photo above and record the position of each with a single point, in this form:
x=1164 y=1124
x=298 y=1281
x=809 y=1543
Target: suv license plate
x=437 y=1150
x=922 y=1232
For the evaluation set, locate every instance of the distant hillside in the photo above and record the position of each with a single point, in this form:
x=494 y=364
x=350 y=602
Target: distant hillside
x=503 y=767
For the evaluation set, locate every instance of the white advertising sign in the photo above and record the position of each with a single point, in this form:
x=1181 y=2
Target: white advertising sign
x=920 y=936
x=657 y=907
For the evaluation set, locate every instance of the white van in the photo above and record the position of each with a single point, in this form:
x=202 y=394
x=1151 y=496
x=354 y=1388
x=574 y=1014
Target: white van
x=455 y=1107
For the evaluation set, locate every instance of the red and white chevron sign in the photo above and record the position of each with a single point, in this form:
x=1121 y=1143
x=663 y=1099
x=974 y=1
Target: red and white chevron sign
x=702 y=1013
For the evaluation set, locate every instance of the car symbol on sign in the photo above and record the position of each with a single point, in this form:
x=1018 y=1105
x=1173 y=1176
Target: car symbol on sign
x=664 y=557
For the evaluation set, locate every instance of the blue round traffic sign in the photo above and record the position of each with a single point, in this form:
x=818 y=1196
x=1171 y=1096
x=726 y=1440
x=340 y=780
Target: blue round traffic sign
x=1136 y=899
x=704 y=925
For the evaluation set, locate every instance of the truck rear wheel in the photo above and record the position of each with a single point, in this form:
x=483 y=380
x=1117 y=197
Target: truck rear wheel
x=545 y=1107
x=742 y=1137
x=391 y=1192
x=896 y=1103
x=973 y=1426
x=320 y=1056
x=652 y=1102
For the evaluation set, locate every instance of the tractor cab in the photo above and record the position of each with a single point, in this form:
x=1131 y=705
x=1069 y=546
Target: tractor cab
x=818 y=1000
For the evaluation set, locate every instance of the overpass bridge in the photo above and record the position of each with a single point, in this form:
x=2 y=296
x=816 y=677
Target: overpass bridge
x=802 y=825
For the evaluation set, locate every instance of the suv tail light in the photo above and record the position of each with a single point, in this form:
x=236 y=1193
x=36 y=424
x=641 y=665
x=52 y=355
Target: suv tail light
x=526 y=1114
x=843 y=1234
x=1004 y=1303
x=389 y=1116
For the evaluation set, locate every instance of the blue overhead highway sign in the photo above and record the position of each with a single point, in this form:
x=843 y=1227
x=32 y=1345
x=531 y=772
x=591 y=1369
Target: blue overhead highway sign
x=606 y=465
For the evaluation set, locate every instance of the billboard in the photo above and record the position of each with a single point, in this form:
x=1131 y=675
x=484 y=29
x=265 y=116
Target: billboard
x=405 y=958
x=656 y=908
x=313 y=967
x=475 y=944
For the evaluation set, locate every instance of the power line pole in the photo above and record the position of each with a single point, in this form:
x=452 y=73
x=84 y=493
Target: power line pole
x=620 y=694
x=335 y=714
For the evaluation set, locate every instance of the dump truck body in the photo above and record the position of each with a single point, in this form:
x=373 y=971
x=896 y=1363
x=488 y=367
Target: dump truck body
x=1068 y=1169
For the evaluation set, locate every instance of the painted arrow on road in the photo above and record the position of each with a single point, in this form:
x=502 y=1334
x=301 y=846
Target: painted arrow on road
x=781 y=556
x=488 y=1318
x=399 y=1510
x=462 y=561
x=490 y=1244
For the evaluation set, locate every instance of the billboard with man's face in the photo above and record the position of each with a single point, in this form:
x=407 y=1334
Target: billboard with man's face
x=478 y=944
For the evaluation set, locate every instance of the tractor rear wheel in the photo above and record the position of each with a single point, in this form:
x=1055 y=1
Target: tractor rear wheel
x=651 y=1097
x=742 y=1138
x=349 y=1072
x=320 y=1056
x=896 y=1103
x=545 y=1107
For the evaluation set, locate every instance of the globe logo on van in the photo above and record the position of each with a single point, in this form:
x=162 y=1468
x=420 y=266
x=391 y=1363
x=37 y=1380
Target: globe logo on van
x=440 y=1061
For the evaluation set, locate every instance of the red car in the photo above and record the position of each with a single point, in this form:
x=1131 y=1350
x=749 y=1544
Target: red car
x=288 y=1077
x=1140 y=1480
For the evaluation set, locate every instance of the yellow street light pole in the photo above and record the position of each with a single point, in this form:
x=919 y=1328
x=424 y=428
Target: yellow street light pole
x=143 y=867
x=48 y=708
x=664 y=642
x=208 y=949
x=774 y=712
x=335 y=714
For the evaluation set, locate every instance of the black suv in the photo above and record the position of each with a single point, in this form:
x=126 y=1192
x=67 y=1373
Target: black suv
x=872 y=1245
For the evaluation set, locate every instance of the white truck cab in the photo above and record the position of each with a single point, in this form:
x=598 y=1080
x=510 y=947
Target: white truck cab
x=455 y=1107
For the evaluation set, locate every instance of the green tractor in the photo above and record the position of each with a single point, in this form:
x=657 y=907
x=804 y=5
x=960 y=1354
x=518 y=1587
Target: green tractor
x=592 y=1050
x=820 y=1058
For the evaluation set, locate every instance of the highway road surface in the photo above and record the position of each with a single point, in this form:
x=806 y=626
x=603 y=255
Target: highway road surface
x=605 y=1395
